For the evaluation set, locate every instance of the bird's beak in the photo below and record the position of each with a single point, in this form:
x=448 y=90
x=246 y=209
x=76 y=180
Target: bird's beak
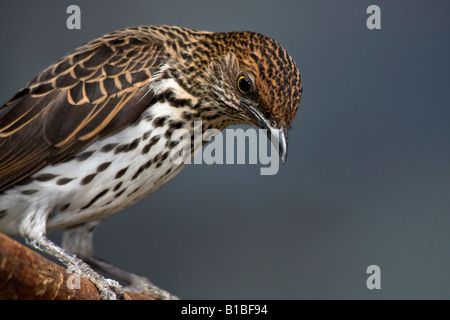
x=278 y=136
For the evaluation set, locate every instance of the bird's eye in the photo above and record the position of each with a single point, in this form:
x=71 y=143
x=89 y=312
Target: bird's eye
x=243 y=84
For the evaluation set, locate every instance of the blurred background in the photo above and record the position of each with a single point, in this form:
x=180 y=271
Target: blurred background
x=367 y=181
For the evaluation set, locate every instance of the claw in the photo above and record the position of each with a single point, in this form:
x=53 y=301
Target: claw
x=112 y=290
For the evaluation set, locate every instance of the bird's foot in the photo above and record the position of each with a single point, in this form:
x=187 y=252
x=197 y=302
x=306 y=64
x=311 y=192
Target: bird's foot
x=109 y=289
x=112 y=290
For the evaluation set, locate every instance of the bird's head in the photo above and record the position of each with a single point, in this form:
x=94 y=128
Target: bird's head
x=246 y=78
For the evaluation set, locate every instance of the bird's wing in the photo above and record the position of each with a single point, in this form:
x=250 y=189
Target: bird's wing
x=94 y=92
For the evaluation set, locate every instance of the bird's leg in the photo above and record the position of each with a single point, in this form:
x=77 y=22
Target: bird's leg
x=33 y=229
x=109 y=289
x=79 y=239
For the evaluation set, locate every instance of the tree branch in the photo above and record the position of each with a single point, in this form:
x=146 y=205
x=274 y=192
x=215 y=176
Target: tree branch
x=26 y=275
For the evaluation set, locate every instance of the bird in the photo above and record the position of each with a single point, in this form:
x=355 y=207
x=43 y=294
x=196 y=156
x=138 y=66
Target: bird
x=90 y=135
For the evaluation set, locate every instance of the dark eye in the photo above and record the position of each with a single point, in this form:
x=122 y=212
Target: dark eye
x=243 y=84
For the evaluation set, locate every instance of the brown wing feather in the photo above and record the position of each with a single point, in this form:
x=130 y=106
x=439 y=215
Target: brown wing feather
x=96 y=91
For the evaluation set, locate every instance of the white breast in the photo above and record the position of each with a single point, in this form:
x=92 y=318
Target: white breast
x=108 y=176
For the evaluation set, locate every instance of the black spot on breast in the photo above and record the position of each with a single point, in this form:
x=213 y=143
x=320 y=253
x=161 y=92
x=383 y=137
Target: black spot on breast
x=103 y=166
x=164 y=156
x=146 y=135
x=160 y=121
x=63 y=181
x=121 y=148
x=154 y=140
x=108 y=147
x=174 y=125
x=172 y=143
x=168 y=133
x=170 y=96
x=138 y=172
x=148 y=164
x=150 y=144
x=84 y=156
x=117 y=187
x=133 y=145
x=161 y=159
x=98 y=196
x=45 y=177
x=134 y=191
x=120 y=193
x=120 y=173
x=177 y=124
x=156 y=158
x=88 y=179
x=146 y=149
x=28 y=192
x=128 y=147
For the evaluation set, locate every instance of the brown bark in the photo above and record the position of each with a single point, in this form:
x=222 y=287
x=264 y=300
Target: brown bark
x=26 y=275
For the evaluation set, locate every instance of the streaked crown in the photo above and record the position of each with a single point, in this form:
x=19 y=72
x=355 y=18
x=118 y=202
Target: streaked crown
x=236 y=68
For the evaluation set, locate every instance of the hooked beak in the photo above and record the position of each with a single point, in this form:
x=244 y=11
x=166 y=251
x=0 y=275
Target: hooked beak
x=278 y=136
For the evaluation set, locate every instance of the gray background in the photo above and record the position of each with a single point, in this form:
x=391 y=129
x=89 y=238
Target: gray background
x=367 y=179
